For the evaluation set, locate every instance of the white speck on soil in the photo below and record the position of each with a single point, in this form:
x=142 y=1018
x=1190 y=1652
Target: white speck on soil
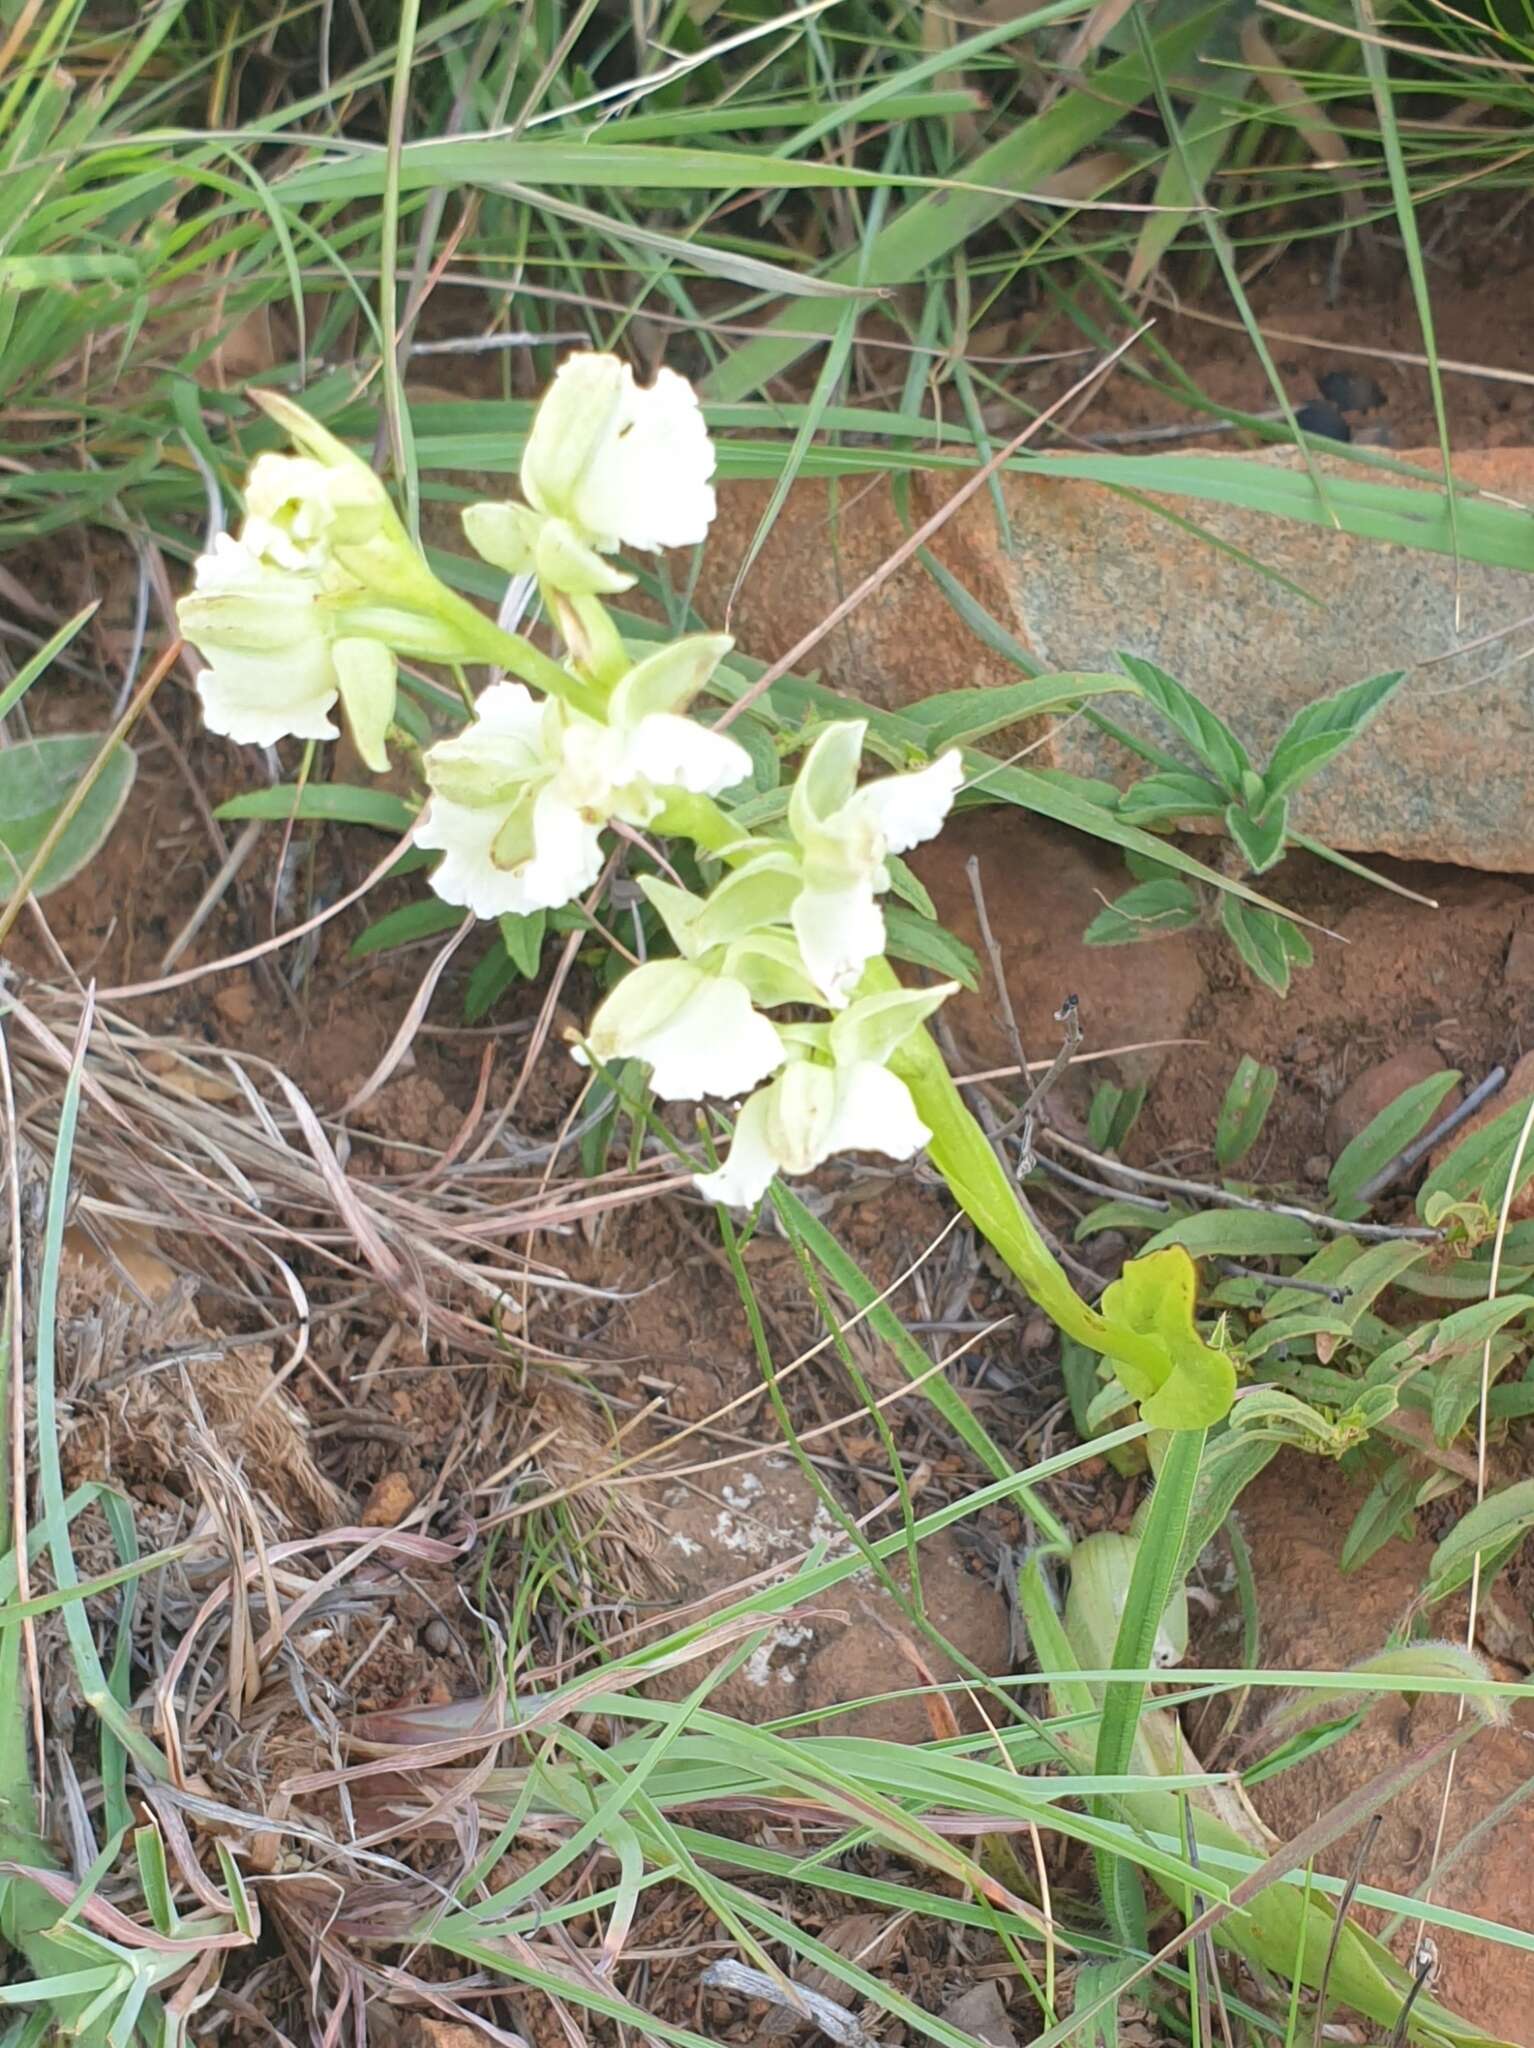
x=759 y=1667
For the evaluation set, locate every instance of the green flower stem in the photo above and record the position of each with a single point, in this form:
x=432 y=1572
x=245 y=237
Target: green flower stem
x=962 y=1153
x=484 y=640
x=959 y=1149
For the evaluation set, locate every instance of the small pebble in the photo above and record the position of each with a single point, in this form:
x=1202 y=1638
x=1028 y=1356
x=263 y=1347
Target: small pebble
x=390 y=1501
x=437 y=1637
x=1038 y=1334
x=1318 y=1168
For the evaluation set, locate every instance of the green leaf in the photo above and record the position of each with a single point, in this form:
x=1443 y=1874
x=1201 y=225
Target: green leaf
x=1119 y=1215
x=522 y=936
x=1154 y=1295
x=1238 y=1234
x=1261 y=840
x=1144 y=912
x=1244 y=1110
x=1299 y=1748
x=1314 y=735
x=35 y=664
x=1388 y=1511
x=1166 y=798
x=1208 y=735
x=37 y=779
x=494 y=973
x=907 y=885
x=335 y=803
x=1495 y=1529
x=1382 y=1138
x=1112 y=1115
x=922 y=943
x=1479 y=1167
x=1271 y=946
x=403 y=927
x=963 y=717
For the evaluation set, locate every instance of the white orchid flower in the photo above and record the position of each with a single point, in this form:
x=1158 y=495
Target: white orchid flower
x=279 y=656
x=519 y=799
x=623 y=464
x=311 y=600
x=696 y=1021
x=298 y=511
x=836 y=1094
x=845 y=835
x=697 y=1032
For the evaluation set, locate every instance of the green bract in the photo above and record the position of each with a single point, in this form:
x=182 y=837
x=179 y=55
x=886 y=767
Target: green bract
x=1154 y=1297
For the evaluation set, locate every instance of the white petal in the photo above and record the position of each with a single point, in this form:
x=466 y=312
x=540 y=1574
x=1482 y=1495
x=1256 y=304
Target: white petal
x=839 y=931
x=874 y=1113
x=566 y=860
x=568 y=857
x=801 y=1111
x=580 y=409
x=710 y=1043
x=908 y=809
x=504 y=744
x=646 y=484
x=259 y=699
x=511 y=710
x=677 y=753
x=746 y=1173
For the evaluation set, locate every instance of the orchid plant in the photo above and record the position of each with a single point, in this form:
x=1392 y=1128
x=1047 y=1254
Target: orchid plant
x=779 y=996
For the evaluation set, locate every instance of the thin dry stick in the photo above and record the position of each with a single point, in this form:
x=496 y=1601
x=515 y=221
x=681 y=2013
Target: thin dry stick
x=1482 y=1418
x=1205 y=1191
x=925 y=531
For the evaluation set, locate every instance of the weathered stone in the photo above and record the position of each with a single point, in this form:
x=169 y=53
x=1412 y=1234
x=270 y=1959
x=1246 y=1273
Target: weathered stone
x=1445 y=773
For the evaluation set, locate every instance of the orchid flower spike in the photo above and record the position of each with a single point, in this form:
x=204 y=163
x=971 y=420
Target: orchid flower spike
x=609 y=464
x=519 y=799
x=845 y=835
x=835 y=1094
x=696 y=1021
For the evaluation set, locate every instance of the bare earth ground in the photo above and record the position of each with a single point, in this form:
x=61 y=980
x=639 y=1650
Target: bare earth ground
x=649 y=1347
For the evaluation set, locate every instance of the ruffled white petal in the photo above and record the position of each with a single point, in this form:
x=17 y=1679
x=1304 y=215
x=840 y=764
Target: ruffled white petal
x=567 y=856
x=511 y=710
x=839 y=931
x=909 y=809
x=709 y=1042
x=670 y=752
x=874 y=1113
x=647 y=482
x=747 y=1173
x=259 y=699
